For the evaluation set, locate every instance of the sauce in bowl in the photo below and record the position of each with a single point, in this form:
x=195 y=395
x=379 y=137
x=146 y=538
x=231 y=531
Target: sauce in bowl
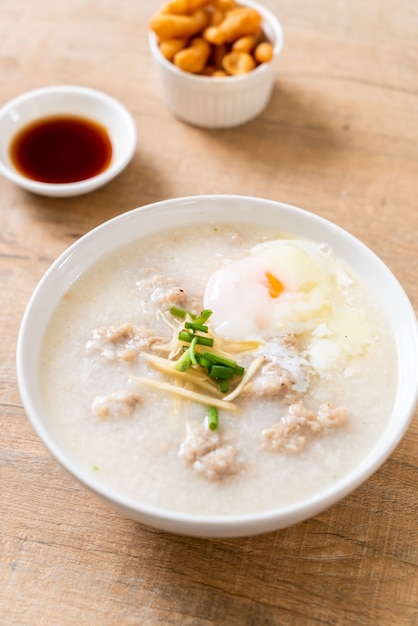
x=61 y=149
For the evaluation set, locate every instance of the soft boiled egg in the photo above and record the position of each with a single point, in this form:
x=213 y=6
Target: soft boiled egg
x=284 y=287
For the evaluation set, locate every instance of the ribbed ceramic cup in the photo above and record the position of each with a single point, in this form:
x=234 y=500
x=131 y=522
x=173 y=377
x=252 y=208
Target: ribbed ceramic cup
x=220 y=102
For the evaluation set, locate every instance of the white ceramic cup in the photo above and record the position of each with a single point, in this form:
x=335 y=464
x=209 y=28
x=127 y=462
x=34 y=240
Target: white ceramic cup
x=223 y=102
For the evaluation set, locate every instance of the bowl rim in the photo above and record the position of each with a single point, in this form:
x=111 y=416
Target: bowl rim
x=267 y=15
x=217 y=525
x=87 y=184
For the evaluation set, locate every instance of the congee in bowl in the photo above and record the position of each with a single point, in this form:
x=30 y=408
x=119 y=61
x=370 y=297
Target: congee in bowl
x=219 y=365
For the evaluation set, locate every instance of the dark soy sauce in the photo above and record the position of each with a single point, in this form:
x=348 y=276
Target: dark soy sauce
x=61 y=149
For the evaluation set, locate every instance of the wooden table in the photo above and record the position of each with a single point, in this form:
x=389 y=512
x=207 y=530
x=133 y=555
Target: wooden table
x=339 y=138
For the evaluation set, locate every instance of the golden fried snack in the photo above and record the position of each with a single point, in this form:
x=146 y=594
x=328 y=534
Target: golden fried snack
x=245 y=44
x=216 y=17
x=225 y=5
x=170 y=47
x=263 y=52
x=194 y=58
x=235 y=63
x=237 y=23
x=209 y=70
x=183 y=7
x=214 y=35
x=171 y=26
x=211 y=37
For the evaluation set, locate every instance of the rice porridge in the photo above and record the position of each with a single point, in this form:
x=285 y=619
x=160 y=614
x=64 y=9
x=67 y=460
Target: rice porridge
x=218 y=370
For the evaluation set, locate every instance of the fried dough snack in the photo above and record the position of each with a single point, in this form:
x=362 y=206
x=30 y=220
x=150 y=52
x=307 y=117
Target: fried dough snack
x=173 y=26
x=211 y=37
x=236 y=23
x=184 y=7
x=193 y=58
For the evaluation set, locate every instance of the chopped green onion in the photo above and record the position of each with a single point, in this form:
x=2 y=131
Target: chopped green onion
x=221 y=371
x=220 y=360
x=184 y=361
x=204 y=341
x=202 y=361
x=191 y=349
x=185 y=336
x=213 y=418
x=205 y=315
x=223 y=385
x=176 y=311
x=194 y=326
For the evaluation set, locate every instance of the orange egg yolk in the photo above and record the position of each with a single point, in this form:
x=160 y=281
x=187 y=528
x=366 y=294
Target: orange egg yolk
x=274 y=285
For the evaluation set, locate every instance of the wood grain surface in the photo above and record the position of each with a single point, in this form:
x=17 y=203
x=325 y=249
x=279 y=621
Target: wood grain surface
x=339 y=138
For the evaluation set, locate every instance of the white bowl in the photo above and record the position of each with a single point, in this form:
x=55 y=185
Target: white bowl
x=211 y=102
x=180 y=212
x=63 y=100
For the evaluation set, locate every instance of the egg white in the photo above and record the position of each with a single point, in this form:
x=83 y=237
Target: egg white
x=314 y=296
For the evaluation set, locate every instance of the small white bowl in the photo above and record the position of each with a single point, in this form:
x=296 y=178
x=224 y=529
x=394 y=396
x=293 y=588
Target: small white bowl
x=67 y=100
x=223 y=102
x=153 y=218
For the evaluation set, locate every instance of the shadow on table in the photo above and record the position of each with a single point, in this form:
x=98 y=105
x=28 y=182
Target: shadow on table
x=72 y=217
x=294 y=131
x=319 y=571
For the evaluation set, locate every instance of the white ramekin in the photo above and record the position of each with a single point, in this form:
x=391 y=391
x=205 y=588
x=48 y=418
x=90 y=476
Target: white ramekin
x=224 y=102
